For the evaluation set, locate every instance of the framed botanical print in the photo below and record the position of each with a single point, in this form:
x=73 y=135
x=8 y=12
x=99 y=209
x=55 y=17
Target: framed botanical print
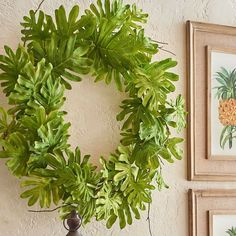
x=212 y=212
x=221 y=103
x=222 y=223
x=211 y=57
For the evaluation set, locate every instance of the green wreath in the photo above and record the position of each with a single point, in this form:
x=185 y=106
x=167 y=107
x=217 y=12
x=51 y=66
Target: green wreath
x=108 y=41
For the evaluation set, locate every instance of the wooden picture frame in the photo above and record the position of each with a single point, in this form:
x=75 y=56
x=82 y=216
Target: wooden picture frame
x=202 y=38
x=203 y=203
x=213 y=213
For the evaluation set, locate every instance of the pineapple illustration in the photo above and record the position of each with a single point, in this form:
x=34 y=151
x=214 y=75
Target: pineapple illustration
x=227 y=112
x=226 y=94
x=232 y=231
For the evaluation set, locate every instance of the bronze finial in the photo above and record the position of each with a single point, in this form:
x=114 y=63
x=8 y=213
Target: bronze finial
x=74 y=222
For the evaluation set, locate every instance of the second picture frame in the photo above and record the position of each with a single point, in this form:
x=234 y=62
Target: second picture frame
x=211 y=60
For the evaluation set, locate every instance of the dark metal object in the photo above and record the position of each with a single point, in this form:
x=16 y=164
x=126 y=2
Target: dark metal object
x=74 y=222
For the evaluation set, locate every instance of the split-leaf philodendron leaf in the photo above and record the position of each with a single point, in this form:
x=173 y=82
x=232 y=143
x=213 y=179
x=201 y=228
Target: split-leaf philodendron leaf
x=108 y=42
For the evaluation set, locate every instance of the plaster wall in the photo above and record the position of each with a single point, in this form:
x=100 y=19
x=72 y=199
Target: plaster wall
x=92 y=110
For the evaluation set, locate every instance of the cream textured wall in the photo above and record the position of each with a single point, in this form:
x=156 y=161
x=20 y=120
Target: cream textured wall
x=92 y=109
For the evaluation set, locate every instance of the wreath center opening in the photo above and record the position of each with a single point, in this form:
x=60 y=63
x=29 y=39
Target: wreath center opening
x=94 y=127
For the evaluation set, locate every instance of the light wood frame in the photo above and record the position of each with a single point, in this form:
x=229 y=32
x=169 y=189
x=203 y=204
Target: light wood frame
x=200 y=37
x=218 y=212
x=201 y=202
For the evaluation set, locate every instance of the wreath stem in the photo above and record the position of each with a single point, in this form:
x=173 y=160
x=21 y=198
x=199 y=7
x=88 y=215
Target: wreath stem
x=39 y=6
x=149 y=220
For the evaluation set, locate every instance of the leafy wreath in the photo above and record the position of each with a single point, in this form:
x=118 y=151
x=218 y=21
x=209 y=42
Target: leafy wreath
x=108 y=41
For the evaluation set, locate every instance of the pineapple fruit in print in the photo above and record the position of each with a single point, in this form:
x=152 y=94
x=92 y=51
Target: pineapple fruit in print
x=226 y=94
x=227 y=112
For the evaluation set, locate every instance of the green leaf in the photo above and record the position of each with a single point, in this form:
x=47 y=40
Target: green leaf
x=173 y=148
x=8 y=124
x=160 y=182
x=111 y=221
x=12 y=66
x=145 y=154
x=157 y=132
x=16 y=148
x=179 y=114
x=119 y=44
x=138 y=191
x=37 y=29
x=107 y=202
x=28 y=85
x=80 y=180
x=127 y=171
x=53 y=136
x=42 y=190
x=154 y=83
x=135 y=113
